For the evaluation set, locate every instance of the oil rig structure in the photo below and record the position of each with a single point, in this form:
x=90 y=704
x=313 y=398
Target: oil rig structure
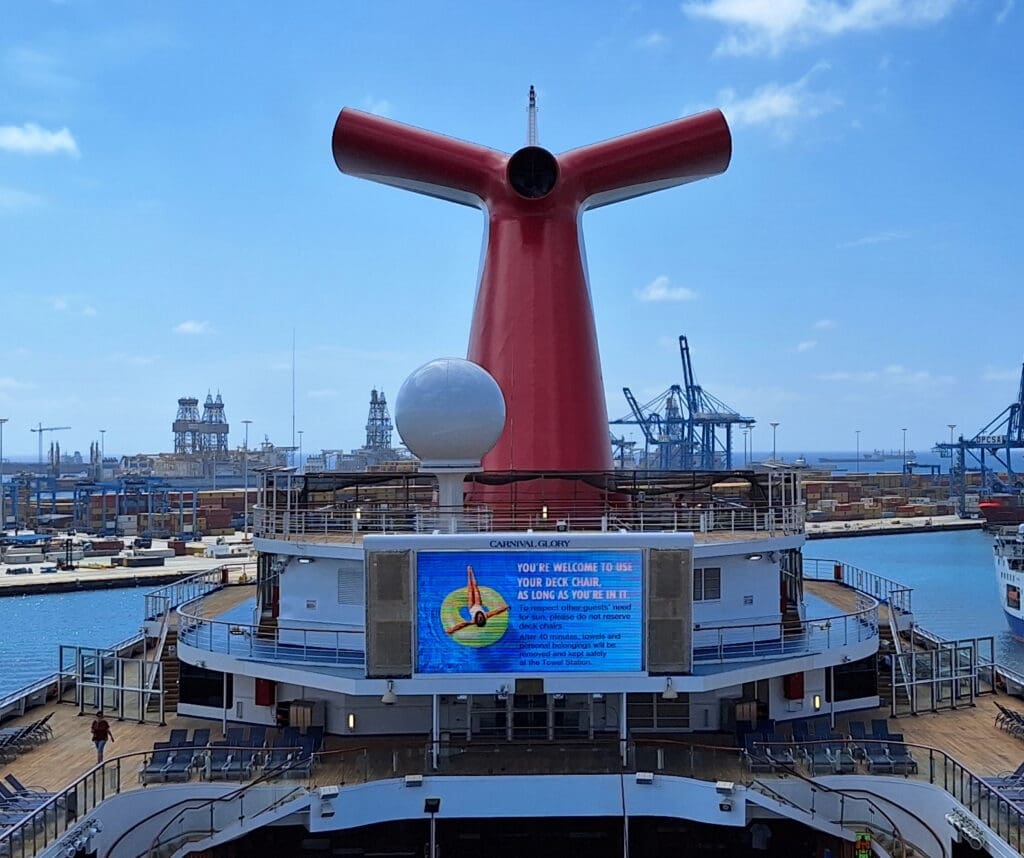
x=989 y=450
x=684 y=428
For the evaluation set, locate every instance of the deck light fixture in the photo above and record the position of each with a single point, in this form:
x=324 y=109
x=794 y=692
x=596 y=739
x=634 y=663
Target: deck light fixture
x=817 y=702
x=351 y=720
x=669 y=693
x=544 y=512
x=754 y=557
x=305 y=560
x=389 y=698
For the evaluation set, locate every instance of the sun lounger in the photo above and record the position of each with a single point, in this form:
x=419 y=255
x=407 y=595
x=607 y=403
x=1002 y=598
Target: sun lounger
x=878 y=759
x=754 y=755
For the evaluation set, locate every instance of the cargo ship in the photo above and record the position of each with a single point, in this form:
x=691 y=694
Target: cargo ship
x=1002 y=510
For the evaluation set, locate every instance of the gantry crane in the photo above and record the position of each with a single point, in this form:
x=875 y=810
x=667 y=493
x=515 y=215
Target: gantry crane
x=686 y=427
x=998 y=439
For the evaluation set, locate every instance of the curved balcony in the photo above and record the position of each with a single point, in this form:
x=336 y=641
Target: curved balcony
x=822 y=630
x=232 y=635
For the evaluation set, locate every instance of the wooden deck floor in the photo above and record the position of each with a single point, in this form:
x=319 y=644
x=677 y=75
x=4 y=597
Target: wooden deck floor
x=70 y=753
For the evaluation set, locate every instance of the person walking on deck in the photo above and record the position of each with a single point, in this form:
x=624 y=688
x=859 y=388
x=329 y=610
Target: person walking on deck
x=101 y=733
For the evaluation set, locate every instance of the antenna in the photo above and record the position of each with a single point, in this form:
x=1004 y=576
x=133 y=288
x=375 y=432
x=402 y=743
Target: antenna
x=531 y=121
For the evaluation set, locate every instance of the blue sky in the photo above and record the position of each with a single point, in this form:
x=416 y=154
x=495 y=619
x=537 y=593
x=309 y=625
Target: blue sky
x=170 y=210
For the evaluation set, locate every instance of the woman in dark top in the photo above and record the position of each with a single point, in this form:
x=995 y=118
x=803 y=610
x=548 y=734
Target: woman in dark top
x=100 y=734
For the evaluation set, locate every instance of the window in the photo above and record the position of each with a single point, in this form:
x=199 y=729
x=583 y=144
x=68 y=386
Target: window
x=707 y=584
x=1013 y=597
x=202 y=687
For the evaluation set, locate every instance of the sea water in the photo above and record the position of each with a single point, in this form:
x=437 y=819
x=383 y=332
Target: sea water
x=33 y=627
x=952 y=574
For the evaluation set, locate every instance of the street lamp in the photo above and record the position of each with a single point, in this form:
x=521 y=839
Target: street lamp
x=904 y=479
x=301 y=469
x=433 y=807
x=774 y=427
x=3 y=513
x=857 y=433
x=245 y=466
x=951 y=426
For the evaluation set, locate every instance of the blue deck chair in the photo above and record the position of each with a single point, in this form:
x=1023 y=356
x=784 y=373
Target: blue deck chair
x=879 y=728
x=158 y=763
x=200 y=738
x=858 y=736
x=22 y=790
x=178 y=738
x=878 y=759
x=903 y=761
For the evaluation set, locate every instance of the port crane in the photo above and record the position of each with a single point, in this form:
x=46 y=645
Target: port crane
x=40 y=429
x=995 y=442
x=685 y=426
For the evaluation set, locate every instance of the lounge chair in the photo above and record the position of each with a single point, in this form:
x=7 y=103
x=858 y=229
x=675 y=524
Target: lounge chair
x=878 y=759
x=754 y=755
x=903 y=761
x=843 y=762
x=159 y=763
x=879 y=728
x=858 y=736
x=22 y=790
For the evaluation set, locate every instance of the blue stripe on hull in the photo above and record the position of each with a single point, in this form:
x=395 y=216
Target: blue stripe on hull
x=1016 y=625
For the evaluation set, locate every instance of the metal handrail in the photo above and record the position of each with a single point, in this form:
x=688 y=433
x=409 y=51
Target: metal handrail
x=839 y=630
x=331 y=646
x=885 y=590
x=414 y=518
x=59 y=813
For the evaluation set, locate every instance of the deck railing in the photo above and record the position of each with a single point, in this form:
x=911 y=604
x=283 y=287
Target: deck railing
x=885 y=590
x=301 y=523
x=65 y=815
x=720 y=643
x=246 y=640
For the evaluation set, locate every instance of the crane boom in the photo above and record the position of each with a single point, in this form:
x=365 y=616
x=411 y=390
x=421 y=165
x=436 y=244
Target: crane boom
x=40 y=429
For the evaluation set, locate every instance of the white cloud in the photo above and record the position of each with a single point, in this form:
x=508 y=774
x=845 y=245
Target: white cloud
x=13 y=200
x=652 y=41
x=8 y=383
x=806 y=345
x=778 y=106
x=380 y=106
x=893 y=376
x=322 y=393
x=1004 y=13
x=30 y=139
x=875 y=238
x=771 y=26
x=993 y=374
x=661 y=289
x=58 y=303
x=824 y=324
x=193 y=327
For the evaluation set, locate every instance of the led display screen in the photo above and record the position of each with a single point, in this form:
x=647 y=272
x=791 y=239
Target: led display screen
x=528 y=611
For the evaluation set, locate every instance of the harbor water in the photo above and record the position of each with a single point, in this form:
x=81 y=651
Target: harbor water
x=33 y=627
x=952 y=575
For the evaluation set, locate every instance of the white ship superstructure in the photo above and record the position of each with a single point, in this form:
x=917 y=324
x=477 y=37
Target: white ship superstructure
x=1009 y=561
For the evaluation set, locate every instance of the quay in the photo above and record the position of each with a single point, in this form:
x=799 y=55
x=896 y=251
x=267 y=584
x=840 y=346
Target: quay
x=883 y=526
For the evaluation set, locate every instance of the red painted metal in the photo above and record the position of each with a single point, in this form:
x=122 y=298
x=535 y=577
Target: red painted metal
x=533 y=324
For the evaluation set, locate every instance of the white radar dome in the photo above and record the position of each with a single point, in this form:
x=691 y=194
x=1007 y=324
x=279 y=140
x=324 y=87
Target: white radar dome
x=450 y=413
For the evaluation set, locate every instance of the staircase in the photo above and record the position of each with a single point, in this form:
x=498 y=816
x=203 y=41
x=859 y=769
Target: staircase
x=171 y=672
x=267 y=628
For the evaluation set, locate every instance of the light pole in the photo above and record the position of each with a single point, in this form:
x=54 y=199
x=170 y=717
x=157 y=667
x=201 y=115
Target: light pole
x=951 y=426
x=245 y=466
x=3 y=513
x=103 y=450
x=301 y=469
x=857 y=433
x=903 y=481
x=432 y=806
x=774 y=426
x=746 y=437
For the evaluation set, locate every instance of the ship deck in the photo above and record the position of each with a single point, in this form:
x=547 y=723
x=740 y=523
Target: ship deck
x=968 y=735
